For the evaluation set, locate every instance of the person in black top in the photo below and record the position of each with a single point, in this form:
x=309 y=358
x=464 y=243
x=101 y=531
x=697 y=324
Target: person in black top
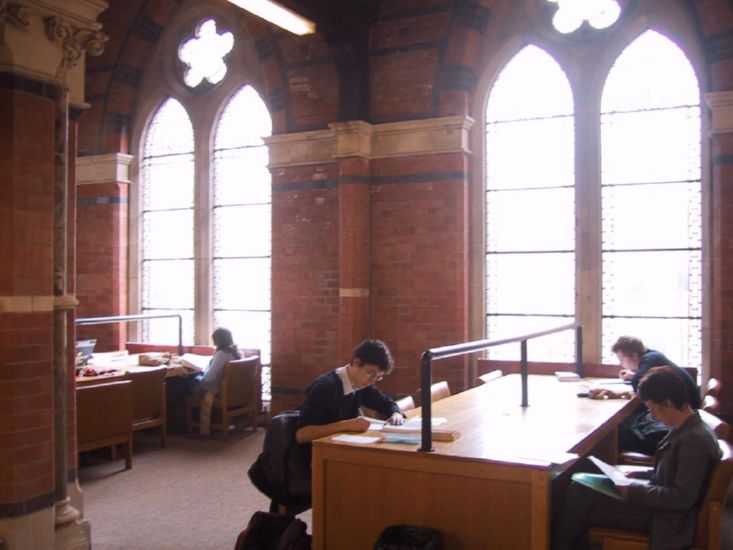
x=333 y=402
x=641 y=432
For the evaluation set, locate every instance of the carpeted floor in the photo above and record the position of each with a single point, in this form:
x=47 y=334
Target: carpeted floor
x=192 y=495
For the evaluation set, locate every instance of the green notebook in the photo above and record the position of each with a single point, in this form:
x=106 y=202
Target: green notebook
x=598 y=482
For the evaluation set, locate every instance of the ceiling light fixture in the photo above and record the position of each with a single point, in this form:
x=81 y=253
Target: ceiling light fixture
x=278 y=15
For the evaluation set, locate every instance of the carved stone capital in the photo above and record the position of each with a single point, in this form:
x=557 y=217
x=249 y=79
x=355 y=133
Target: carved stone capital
x=14 y=14
x=74 y=42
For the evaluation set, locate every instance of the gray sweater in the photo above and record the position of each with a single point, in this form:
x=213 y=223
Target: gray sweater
x=685 y=460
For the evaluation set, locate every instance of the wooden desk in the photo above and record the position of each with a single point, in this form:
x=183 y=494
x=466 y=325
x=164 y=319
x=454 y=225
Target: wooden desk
x=489 y=489
x=124 y=364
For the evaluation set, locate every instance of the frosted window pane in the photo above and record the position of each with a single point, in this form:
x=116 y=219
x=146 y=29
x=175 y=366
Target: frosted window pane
x=530 y=154
x=168 y=182
x=242 y=176
x=170 y=132
x=655 y=284
x=531 y=283
x=530 y=200
x=557 y=347
x=245 y=121
x=168 y=284
x=652 y=72
x=531 y=85
x=242 y=231
x=250 y=329
x=678 y=339
x=204 y=54
x=650 y=132
x=168 y=234
x=165 y=331
x=628 y=223
x=660 y=145
x=540 y=219
x=242 y=284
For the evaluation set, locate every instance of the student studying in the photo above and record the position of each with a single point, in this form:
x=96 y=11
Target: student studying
x=640 y=432
x=665 y=506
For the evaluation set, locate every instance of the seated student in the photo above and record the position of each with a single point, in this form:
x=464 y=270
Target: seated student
x=640 y=432
x=333 y=401
x=210 y=378
x=666 y=506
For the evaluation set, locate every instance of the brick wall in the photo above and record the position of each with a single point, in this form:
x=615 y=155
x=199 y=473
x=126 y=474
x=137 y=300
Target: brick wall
x=425 y=60
x=26 y=287
x=101 y=265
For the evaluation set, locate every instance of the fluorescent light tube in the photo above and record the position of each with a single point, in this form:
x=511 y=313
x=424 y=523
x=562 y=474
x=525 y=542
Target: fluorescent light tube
x=278 y=15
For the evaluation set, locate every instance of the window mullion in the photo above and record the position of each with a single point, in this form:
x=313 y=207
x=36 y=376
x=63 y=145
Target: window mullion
x=203 y=231
x=588 y=272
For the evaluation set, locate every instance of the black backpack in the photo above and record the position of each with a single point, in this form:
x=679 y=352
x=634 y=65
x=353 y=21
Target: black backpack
x=266 y=531
x=282 y=471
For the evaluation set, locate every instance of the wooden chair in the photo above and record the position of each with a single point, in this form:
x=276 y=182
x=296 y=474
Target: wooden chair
x=104 y=417
x=713 y=388
x=719 y=427
x=711 y=404
x=489 y=376
x=149 y=407
x=240 y=394
x=438 y=391
x=406 y=403
x=707 y=535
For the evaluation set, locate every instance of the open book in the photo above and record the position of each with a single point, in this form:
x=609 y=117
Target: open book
x=195 y=362
x=606 y=482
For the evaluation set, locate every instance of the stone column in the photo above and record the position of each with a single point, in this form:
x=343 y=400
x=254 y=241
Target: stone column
x=716 y=328
x=74 y=42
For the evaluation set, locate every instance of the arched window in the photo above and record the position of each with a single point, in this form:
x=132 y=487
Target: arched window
x=592 y=178
x=167 y=257
x=242 y=219
x=530 y=204
x=204 y=223
x=650 y=144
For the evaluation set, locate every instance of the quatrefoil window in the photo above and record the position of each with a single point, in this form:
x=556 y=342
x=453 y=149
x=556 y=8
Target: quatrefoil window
x=570 y=14
x=204 y=55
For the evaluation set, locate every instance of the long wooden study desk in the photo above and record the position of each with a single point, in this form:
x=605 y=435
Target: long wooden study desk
x=491 y=488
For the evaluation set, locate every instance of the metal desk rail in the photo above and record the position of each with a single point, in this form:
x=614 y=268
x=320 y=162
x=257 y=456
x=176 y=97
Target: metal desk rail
x=142 y=317
x=426 y=376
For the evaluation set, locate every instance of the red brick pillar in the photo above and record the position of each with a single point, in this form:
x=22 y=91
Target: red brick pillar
x=26 y=302
x=102 y=246
x=36 y=278
x=353 y=142
x=719 y=330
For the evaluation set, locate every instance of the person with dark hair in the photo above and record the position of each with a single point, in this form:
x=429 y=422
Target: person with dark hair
x=333 y=402
x=640 y=432
x=665 y=507
x=210 y=378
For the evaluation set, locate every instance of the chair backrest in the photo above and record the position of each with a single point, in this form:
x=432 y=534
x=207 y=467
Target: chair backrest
x=711 y=404
x=489 y=376
x=406 y=403
x=439 y=390
x=713 y=387
x=719 y=426
x=103 y=410
x=709 y=516
x=148 y=392
x=242 y=381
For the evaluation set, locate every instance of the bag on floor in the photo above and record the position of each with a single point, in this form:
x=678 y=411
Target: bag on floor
x=266 y=531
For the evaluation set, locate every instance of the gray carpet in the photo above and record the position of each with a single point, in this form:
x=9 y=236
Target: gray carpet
x=192 y=495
